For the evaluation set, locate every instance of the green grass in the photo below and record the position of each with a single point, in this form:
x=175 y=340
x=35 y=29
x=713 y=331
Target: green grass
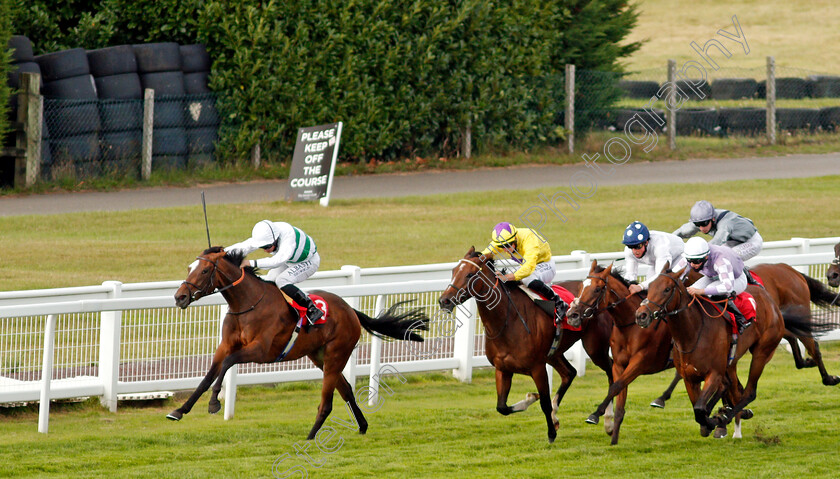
x=83 y=249
x=796 y=35
x=434 y=426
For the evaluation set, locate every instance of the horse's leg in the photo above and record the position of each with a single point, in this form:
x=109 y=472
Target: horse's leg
x=620 y=401
x=540 y=377
x=709 y=395
x=346 y=393
x=567 y=375
x=798 y=360
x=666 y=395
x=503 y=380
x=622 y=377
x=220 y=354
x=813 y=348
x=252 y=352
x=760 y=357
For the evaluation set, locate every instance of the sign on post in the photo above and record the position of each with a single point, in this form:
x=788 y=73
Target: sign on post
x=313 y=163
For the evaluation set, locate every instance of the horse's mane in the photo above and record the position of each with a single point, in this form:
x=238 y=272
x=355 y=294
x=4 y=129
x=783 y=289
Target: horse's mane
x=233 y=257
x=615 y=274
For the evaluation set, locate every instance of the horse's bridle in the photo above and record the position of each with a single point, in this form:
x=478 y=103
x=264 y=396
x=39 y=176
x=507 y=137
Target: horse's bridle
x=663 y=311
x=591 y=308
x=213 y=290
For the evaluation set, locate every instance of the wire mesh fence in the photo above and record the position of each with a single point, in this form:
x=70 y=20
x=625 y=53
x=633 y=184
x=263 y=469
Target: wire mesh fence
x=90 y=138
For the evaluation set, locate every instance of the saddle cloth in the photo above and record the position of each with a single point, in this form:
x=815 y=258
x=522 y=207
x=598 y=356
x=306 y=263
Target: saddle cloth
x=757 y=279
x=319 y=302
x=548 y=306
x=746 y=303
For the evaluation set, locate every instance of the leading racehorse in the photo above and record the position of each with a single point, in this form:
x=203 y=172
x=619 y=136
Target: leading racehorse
x=262 y=327
x=519 y=335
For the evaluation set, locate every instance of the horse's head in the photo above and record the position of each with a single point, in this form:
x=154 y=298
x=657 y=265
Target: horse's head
x=473 y=276
x=593 y=295
x=201 y=278
x=833 y=273
x=664 y=293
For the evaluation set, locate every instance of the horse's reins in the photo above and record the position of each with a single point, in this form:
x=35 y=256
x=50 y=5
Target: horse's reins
x=223 y=288
x=495 y=286
x=591 y=308
x=663 y=310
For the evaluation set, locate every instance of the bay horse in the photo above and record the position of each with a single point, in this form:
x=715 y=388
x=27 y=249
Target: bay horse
x=795 y=291
x=833 y=273
x=702 y=343
x=635 y=350
x=792 y=291
x=519 y=335
x=260 y=324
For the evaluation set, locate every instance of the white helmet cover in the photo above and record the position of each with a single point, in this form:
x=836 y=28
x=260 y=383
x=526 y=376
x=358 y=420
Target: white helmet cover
x=696 y=248
x=263 y=233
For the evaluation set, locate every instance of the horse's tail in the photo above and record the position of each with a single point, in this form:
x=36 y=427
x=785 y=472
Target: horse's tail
x=800 y=323
x=396 y=325
x=820 y=294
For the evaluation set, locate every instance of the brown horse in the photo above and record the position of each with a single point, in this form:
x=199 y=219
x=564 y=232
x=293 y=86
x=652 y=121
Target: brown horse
x=260 y=325
x=635 y=350
x=794 y=291
x=519 y=335
x=702 y=341
x=833 y=273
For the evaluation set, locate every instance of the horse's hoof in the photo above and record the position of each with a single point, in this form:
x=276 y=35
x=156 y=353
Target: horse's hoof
x=746 y=414
x=556 y=425
x=658 y=403
x=831 y=380
x=551 y=439
x=720 y=433
x=532 y=397
x=174 y=416
x=593 y=419
x=704 y=431
x=214 y=407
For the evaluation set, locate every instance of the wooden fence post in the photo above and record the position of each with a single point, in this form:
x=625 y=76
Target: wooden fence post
x=771 y=100
x=570 y=108
x=30 y=113
x=256 y=154
x=671 y=113
x=148 y=135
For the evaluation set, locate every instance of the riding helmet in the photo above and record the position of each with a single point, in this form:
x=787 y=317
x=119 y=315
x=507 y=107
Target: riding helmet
x=635 y=233
x=503 y=234
x=696 y=248
x=702 y=211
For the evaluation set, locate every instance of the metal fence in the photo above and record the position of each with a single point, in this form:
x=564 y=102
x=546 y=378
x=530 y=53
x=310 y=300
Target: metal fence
x=116 y=339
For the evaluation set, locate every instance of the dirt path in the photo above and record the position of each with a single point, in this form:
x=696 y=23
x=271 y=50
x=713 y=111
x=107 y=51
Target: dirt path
x=434 y=182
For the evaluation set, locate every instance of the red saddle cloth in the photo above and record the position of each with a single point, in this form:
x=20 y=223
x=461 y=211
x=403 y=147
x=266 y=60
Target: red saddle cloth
x=757 y=279
x=319 y=302
x=746 y=303
x=568 y=297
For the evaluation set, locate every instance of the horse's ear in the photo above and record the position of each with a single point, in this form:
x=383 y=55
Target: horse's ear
x=594 y=265
x=608 y=271
x=667 y=267
x=471 y=251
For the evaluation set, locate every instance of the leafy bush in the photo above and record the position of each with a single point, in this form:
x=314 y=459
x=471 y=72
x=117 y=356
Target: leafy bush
x=7 y=11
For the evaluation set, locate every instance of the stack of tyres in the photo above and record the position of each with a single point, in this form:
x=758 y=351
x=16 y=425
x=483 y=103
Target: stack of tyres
x=202 y=116
x=114 y=71
x=71 y=113
x=23 y=61
x=159 y=67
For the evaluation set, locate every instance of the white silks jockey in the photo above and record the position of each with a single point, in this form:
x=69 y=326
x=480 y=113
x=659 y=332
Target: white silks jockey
x=293 y=258
x=649 y=247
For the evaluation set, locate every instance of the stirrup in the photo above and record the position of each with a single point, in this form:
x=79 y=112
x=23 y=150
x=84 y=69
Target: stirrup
x=313 y=314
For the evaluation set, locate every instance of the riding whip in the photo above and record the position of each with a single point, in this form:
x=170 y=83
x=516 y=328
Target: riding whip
x=206 y=226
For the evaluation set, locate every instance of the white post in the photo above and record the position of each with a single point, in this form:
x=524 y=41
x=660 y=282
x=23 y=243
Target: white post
x=148 y=128
x=770 y=94
x=229 y=382
x=375 y=357
x=671 y=114
x=46 y=374
x=804 y=248
x=325 y=201
x=464 y=348
x=109 y=348
x=354 y=277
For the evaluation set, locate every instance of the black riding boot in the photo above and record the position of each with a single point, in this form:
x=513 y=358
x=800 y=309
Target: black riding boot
x=740 y=320
x=560 y=306
x=750 y=279
x=312 y=312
